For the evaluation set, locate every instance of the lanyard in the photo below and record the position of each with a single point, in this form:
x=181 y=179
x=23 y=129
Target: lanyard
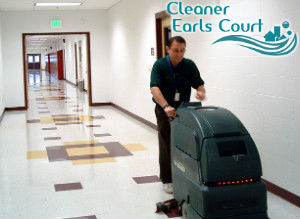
x=172 y=71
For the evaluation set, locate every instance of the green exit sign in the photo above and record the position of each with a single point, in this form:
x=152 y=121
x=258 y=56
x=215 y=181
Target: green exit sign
x=56 y=24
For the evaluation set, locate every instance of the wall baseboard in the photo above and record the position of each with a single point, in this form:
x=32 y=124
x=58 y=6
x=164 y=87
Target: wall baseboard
x=102 y=104
x=15 y=108
x=2 y=115
x=140 y=119
x=283 y=193
x=70 y=82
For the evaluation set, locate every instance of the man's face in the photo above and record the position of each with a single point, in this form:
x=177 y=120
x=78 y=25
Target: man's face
x=176 y=51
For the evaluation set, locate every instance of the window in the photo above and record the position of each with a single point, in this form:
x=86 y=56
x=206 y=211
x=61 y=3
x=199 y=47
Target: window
x=30 y=59
x=37 y=58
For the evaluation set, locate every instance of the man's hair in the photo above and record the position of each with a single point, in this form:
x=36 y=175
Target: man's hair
x=178 y=39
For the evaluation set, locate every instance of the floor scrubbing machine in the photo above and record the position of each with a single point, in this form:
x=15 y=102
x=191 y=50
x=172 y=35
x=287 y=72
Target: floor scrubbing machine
x=216 y=167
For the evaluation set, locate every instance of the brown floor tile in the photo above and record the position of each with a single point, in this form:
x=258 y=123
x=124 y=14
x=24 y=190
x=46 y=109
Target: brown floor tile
x=52 y=138
x=102 y=135
x=51 y=128
x=69 y=123
x=33 y=121
x=57 y=153
x=83 y=217
x=67 y=186
x=44 y=112
x=146 y=179
x=75 y=118
x=90 y=126
x=98 y=117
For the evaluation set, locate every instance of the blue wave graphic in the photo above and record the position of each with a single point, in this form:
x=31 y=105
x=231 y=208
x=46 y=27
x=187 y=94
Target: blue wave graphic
x=282 y=47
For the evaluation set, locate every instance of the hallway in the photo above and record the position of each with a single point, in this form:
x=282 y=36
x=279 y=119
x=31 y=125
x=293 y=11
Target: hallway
x=79 y=82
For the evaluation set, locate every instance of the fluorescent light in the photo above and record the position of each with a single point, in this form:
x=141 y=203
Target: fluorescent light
x=57 y=4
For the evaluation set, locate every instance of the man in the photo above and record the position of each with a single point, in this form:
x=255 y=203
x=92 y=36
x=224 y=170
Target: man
x=171 y=80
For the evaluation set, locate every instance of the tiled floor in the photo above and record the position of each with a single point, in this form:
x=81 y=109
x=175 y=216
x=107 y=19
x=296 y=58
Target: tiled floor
x=64 y=159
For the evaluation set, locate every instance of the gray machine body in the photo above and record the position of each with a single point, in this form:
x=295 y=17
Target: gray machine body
x=209 y=145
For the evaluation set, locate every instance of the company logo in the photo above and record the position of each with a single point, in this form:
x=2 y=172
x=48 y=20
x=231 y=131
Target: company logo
x=278 y=42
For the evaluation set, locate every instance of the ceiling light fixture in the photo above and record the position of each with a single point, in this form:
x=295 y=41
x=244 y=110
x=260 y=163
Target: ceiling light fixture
x=57 y=4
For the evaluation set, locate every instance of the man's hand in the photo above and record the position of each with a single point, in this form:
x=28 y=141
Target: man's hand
x=170 y=111
x=200 y=95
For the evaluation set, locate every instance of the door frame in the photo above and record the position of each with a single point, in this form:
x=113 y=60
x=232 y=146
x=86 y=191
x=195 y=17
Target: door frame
x=24 y=35
x=158 y=20
x=76 y=64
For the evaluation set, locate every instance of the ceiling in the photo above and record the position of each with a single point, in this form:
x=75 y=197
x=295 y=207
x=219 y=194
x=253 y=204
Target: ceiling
x=21 y=5
x=42 y=41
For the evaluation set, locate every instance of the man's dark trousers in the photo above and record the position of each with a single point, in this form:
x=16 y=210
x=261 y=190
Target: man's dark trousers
x=164 y=144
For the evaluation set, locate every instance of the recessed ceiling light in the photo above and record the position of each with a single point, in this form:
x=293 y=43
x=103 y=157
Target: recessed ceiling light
x=57 y=4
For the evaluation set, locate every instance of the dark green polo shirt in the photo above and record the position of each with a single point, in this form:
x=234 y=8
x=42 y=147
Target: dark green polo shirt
x=185 y=75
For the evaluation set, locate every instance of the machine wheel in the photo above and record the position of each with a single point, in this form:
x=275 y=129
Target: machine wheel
x=184 y=209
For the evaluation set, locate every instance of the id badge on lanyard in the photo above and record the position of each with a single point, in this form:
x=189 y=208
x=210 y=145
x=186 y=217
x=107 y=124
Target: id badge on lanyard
x=177 y=94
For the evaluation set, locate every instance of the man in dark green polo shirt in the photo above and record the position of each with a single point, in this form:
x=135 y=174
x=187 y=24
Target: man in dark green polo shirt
x=171 y=80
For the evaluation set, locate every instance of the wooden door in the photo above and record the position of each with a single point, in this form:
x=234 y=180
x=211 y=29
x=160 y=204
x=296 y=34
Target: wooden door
x=34 y=61
x=60 y=65
x=76 y=64
x=163 y=32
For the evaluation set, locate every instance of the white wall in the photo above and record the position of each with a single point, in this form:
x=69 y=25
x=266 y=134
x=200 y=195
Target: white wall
x=132 y=35
x=15 y=23
x=70 y=60
x=2 y=106
x=70 y=57
x=262 y=91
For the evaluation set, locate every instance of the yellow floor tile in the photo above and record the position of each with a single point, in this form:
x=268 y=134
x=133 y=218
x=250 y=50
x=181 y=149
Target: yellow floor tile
x=46 y=120
x=54 y=98
x=134 y=147
x=80 y=142
x=36 y=155
x=67 y=122
x=85 y=118
x=66 y=116
x=92 y=161
x=86 y=151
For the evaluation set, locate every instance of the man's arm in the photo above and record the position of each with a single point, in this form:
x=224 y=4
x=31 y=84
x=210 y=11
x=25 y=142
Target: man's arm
x=159 y=98
x=200 y=95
